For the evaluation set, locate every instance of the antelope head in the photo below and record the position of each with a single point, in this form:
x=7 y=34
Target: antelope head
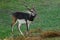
x=31 y=11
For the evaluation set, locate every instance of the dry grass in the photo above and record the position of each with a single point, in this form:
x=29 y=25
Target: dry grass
x=24 y=38
x=41 y=36
x=50 y=34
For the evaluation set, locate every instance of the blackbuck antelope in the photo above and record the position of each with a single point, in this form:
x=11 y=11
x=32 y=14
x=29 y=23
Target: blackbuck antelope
x=23 y=18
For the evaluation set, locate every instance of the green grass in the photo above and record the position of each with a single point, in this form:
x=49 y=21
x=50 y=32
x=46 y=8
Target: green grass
x=48 y=15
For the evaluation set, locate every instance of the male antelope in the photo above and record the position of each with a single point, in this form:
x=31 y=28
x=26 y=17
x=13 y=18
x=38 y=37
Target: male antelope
x=22 y=17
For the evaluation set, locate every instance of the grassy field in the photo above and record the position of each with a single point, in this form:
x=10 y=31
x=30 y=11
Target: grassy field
x=48 y=15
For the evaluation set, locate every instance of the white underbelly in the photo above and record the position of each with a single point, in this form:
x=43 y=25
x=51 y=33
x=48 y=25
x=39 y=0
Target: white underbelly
x=21 y=21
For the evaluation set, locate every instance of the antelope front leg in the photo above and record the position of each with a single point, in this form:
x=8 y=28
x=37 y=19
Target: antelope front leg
x=27 y=26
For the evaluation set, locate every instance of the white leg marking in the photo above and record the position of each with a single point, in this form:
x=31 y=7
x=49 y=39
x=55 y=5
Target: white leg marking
x=19 y=25
x=29 y=24
x=13 y=26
